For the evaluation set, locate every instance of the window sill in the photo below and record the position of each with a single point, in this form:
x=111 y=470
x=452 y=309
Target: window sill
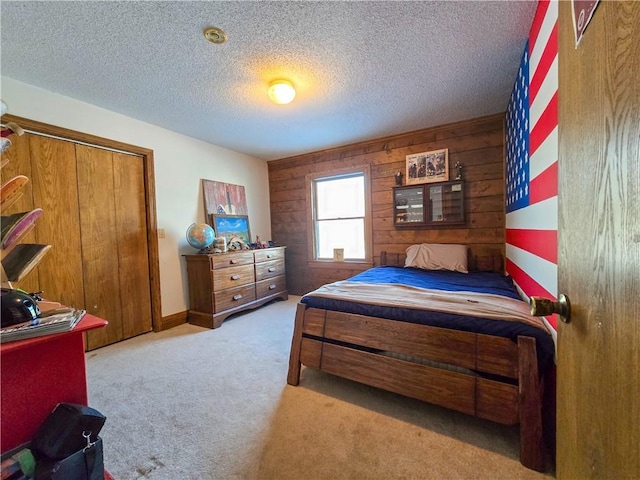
x=346 y=264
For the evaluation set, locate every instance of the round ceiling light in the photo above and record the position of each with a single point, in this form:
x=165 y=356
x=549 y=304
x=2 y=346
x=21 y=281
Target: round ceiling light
x=215 y=35
x=281 y=92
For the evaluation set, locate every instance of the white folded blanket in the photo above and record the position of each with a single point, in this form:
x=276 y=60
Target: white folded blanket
x=482 y=305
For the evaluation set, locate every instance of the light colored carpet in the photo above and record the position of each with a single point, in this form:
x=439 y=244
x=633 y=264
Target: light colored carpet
x=194 y=403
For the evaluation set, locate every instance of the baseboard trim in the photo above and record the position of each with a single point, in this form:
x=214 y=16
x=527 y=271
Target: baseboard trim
x=172 y=320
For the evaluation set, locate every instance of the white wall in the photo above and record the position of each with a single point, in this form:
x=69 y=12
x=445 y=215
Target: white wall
x=180 y=164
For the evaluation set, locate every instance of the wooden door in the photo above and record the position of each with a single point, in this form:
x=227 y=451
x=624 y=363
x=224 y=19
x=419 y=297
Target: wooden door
x=99 y=243
x=50 y=165
x=133 y=253
x=95 y=218
x=598 y=398
x=114 y=243
x=19 y=163
x=54 y=183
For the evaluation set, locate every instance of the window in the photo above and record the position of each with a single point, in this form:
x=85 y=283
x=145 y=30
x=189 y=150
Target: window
x=340 y=215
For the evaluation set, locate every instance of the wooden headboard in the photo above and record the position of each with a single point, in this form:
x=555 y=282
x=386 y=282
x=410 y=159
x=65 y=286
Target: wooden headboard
x=492 y=262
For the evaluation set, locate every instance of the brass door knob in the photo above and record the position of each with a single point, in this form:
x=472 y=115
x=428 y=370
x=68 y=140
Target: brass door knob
x=541 y=307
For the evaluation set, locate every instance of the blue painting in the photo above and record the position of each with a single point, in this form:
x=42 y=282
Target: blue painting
x=229 y=226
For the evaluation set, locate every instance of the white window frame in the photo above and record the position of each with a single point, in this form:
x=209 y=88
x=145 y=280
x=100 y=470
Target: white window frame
x=367 y=262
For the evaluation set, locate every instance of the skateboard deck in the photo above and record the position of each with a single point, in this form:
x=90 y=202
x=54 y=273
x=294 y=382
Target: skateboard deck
x=11 y=190
x=22 y=259
x=11 y=128
x=16 y=225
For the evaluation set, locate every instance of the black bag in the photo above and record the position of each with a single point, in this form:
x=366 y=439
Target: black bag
x=62 y=432
x=85 y=464
x=67 y=445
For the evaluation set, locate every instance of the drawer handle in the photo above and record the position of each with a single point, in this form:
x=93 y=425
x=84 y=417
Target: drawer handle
x=237 y=297
x=268 y=256
x=235 y=277
x=272 y=269
x=233 y=261
x=272 y=286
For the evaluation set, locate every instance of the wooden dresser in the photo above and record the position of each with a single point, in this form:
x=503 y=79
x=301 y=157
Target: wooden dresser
x=227 y=283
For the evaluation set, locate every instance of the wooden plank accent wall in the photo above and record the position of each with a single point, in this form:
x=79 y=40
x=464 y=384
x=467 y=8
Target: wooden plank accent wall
x=477 y=144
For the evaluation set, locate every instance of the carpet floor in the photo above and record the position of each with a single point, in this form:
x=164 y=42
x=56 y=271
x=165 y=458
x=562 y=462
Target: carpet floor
x=195 y=403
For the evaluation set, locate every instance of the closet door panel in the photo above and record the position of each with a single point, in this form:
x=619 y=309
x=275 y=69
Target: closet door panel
x=99 y=242
x=133 y=256
x=53 y=180
x=18 y=162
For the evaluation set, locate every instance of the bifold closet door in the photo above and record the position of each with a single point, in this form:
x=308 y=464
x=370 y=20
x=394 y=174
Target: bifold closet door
x=95 y=220
x=133 y=249
x=18 y=162
x=99 y=242
x=114 y=245
x=54 y=186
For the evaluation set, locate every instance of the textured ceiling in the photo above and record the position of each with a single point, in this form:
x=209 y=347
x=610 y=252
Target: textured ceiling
x=362 y=70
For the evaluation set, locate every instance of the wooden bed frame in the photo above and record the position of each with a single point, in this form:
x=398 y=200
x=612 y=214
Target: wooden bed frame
x=511 y=393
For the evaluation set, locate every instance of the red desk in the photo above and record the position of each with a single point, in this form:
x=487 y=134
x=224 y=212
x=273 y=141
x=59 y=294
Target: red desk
x=37 y=374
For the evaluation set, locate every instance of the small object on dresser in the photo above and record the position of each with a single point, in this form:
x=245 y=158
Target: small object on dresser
x=200 y=236
x=220 y=245
x=237 y=243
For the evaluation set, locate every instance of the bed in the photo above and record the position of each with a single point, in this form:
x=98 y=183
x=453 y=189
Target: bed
x=412 y=329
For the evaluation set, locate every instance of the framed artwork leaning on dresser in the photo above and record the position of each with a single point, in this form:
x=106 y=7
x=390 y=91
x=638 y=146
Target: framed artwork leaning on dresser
x=229 y=226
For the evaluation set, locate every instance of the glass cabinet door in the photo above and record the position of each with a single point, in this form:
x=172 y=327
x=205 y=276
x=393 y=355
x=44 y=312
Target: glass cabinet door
x=408 y=205
x=446 y=203
x=431 y=204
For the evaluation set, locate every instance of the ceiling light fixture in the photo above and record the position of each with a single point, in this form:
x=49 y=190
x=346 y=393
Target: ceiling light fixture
x=215 y=35
x=281 y=92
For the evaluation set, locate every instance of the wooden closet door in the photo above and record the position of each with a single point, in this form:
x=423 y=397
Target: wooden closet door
x=95 y=219
x=19 y=163
x=133 y=251
x=99 y=242
x=54 y=180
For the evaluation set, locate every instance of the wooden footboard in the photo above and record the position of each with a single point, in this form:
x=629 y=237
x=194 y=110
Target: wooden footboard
x=482 y=375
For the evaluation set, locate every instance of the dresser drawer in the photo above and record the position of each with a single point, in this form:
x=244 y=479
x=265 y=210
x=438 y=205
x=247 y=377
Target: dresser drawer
x=268 y=254
x=271 y=286
x=234 y=297
x=232 y=277
x=269 y=269
x=224 y=260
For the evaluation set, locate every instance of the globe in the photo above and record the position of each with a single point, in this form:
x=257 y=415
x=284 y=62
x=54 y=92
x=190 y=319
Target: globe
x=200 y=236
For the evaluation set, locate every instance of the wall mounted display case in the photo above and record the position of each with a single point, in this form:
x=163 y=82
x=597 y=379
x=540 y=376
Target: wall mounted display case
x=430 y=204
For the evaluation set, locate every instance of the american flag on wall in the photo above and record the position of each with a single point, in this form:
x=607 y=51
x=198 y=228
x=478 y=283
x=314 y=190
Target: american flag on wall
x=531 y=194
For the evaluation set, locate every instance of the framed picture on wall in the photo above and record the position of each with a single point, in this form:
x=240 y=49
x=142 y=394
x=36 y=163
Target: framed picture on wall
x=223 y=198
x=427 y=167
x=229 y=226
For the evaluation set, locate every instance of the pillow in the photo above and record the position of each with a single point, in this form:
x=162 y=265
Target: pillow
x=438 y=256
